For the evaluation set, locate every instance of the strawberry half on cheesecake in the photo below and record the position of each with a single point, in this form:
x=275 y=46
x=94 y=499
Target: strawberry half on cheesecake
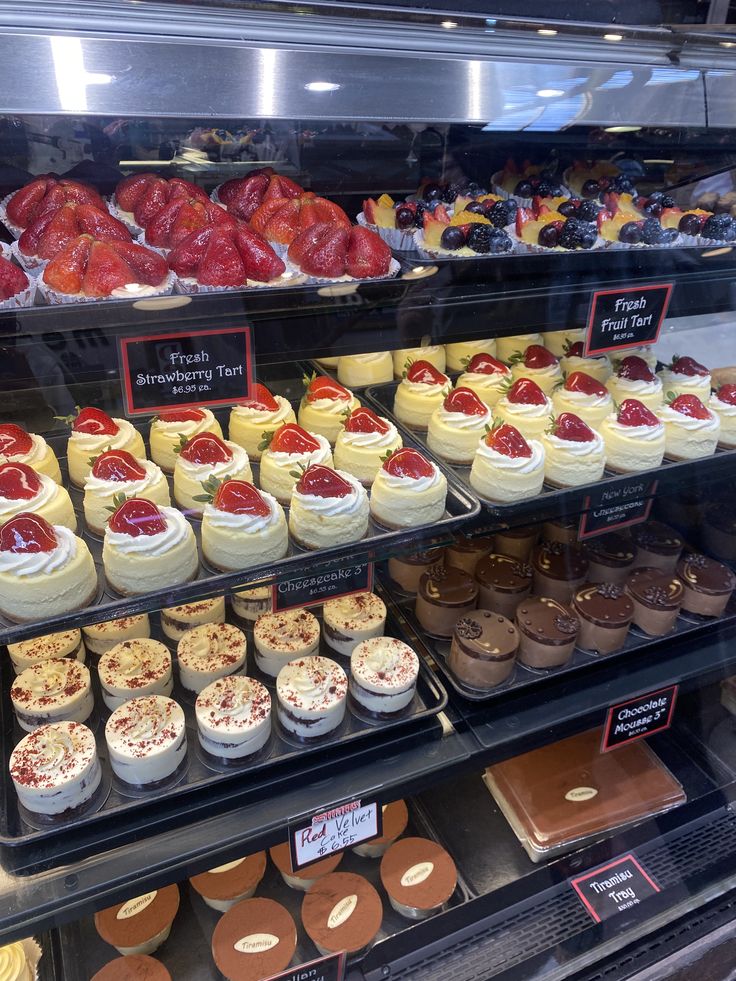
x=18 y=446
x=421 y=390
x=94 y=431
x=148 y=547
x=45 y=569
x=408 y=491
x=538 y=364
x=723 y=403
x=363 y=443
x=585 y=396
x=251 y=419
x=168 y=427
x=202 y=459
x=526 y=408
x=574 y=453
x=328 y=507
x=691 y=429
x=457 y=426
x=597 y=366
x=487 y=377
x=324 y=405
x=686 y=376
x=634 y=379
x=116 y=472
x=243 y=527
x=633 y=437
x=23 y=489
x=285 y=452
x=507 y=467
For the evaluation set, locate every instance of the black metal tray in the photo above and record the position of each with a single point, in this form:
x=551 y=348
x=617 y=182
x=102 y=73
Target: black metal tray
x=200 y=773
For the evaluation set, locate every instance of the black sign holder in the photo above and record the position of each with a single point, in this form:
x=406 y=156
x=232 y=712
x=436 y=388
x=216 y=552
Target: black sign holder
x=641 y=716
x=614 y=888
x=627 y=317
x=301 y=591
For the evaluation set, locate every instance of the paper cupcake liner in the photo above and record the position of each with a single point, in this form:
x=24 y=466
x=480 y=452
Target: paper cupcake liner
x=190 y=287
x=52 y=297
x=26 y=297
x=125 y=216
x=522 y=202
x=396 y=238
x=600 y=243
x=32 y=264
x=440 y=253
x=675 y=243
x=141 y=240
x=15 y=230
x=393 y=271
x=713 y=243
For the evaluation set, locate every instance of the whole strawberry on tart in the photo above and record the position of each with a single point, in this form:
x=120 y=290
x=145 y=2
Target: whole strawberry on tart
x=139 y=199
x=574 y=454
x=181 y=217
x=42 y=195
x=420 y=392
x=52 y=231
x=333 y=251
x=242 y=196
x=18 y=446
x=16 y=289
x=262 y=413
x=116 y=472
x=280 y=220
x=363 y=442
x=324 y=406
x=168 y=427
x=226 y=257
x=202 y=459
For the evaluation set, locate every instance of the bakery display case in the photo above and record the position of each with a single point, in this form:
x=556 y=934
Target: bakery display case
x=367 y=554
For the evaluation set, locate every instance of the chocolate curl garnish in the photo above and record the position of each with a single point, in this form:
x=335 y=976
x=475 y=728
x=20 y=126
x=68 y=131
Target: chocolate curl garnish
x=656 y=595
x=523 y=570
x=437 y=573
x=566 y=625
x=468 y=629
x=610 y=590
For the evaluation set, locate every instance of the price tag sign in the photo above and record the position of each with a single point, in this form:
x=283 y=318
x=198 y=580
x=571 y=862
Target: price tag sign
x=618 y=506
x=329 y=968
x=333 y=831
x=201 y=368
x=614 y=888
x=626 y=317
x=639 y=717
x=291 y=594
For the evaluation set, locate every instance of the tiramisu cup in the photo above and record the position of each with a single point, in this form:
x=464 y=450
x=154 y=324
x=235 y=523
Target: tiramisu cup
x=302 y=879
x=383 y=676
x=419 y=877
x=483 y=649
x=445 y=594
x=55 y=769
x=224 y=886
x=52 y=691
x=465 y=553
x=133 y=967
x=342 y=912
x=65 y=643
x=134 y=668
x=249 y=604
x=407 y=570
x=176 y=620
x=394 y=819
x=311 y=692
x=209 y=652
x=657 y=546
x=707 y=585
x=100 y=637
x=255 y=939
x=605 y=612
x=233 y=718
x=558 y=570
x=349 y=620
x=657 y=598
x=503 y=582
x=610 y=557
x=547 y=633
x=141 y=924
x=282 y=637
x=147 y=741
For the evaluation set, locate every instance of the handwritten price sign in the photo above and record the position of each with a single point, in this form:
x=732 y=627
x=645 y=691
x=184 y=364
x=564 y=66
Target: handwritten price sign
x=334 y=831
x=639 y=717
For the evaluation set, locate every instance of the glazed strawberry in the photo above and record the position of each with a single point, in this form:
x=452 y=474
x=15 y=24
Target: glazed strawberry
x=537 y=356
x=12 y=279
x=635 y=369
x=27 y=533
x=117 y=465
x=465 y=401
x=243 y=195
x=221 y=264
x=46 y=235
x=321 y=250
x=65 y=272
x=25 y=201
x=689 y=366
x=526 y=392
x=14 y=441
x=240 y=497
x=95 y=422
x=485 y=364
x=320 y=481
x=575 y=350
x=632 y=412
x=726 y=393
x=571 y=427
x=18 y=482
x=181 y=415
x=261 y=399
x=578 y=381
x=424 y=373
x=508 y=441
x=206 y=448
x=282 y=219
x=323 y=387
x=291 y=438
x=368 y=255
x=106 y=271
x=364 y=420
x=137 y=517
x=47 y=194
x=259 y=260
x=100 y=224
x=408 y=463
x=690 y=405
x=148 y=267
x=130 y=189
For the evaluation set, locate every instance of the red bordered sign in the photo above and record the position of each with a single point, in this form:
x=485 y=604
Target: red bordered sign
x=639 y=717
x=315 y=589
x=614 y=888
x=624 y=318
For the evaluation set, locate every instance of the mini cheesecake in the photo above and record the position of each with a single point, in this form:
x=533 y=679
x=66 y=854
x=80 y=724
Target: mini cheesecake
x=547 y=632
x=506 y=467
x=421 y=390
x=93 y=431
x=645 y=352
x=202 y=464
x=657 y=546
x=394 y=819
x=209 y=652
x=707 y=585
x=349 y=620
x=406 y=570
x=405 y=357
x=249 y=604
x=283 y=637
x=483 y=650
x=323 y=407
x=539 y=365
x=290 y=450
x=225 y=885
x=252 y=419
x=597 y=366
x=65 y=643
x=487 y=377
x=24 y=489
x=176 y=620
x=503 y=582
x=342 y=912
x=517 y=542
x=457 y=426
x=584 y=396
x=45 y=570
x=657 y=597
x=141 y=924
x=148 y=548
x=100 y=637
x=605 y=612
x=526 y=408
x=18 y=446
x=691 y=429
x=364 y=442
x=574 y=453
x=558 y=570
x=723 y=403
x=419 y=877
x=253 y=940
x=117 y=472
x=633 y=379
x=459 y=354
x=610 y=557
x=58 y=690
x=302 y=879
x=311 y=697
x=147 y=743
x=328 y=507
x=243 y=527
x=383 y=676
x=507 y=347
x=634 y=438
x=168 y=428
x=358 y=370
x=686 y=376
x=233 y=718
x=559 y=342
x=132 y=967
x=444 y=595
x=408 y=491
x=133 y=669
x=55 y=770
x=465 y=552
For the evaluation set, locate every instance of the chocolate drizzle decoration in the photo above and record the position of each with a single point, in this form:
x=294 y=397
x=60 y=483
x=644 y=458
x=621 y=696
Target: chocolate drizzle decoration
x=468 y=629
x=610 y=590
x=656 y=595
x=566 y=625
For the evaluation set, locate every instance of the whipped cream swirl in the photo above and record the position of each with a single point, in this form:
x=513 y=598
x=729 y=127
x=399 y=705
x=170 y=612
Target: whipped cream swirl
x=144 y=719
x=667 y=414
x=311 y=683
x=256 y=416
x=479 y=379
x=722 y=408
x=42 y=563
x=584 y=400
x=333 y=407
x=460 y=420
x=36 y=453
x=250 y=523
x=320 y=455
x=572 y=362
x=223 y=468
x=131 y=488
x=415 y=483
x=50 y=678
x=330 y=506
x=670 y=377
x=427 y=389
x=527 y=409
x=177 y=529
x=519 y=464
x=188 y=427
x=46 y=493
x=94 y=443
x=550 y=371
x=637 y=386
x=371 y=439
x=575 y=447
x=647 y=433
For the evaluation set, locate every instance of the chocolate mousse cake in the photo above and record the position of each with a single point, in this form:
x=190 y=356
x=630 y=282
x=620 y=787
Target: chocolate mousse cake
x=483 y=650
x=605 y=611
x=419 y=877
x=657 y=598
x=503 y=583
x=255 y=939
x=342 y=912
x=558 y=570
x=707 y=584
x=407 y=570
x=517 y=542
x=302 y=879
x=547 y=632
x=610 y=557
x=445 y=594
x=134 y=967
x=228 y=884
x=465 y=553
x=394 y=819
x=141 y=924
x=657 y=546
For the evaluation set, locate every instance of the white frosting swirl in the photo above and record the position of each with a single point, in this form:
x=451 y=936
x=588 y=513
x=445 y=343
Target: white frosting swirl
x=479 y=379
x=312 y=682
x=371 y=439
x=572 y=362
x=527 y=409
x=177 y=529
x=320 y=455
x=667 y=414
x=414 y=483
x=333 y=407
x=94 y=443
x=146 y=719
x=585 y=400
x=427 y=388
x=520 y=464
x=249 y=523
x=223 y=468
x=576 y=447
x=460 y=420
x=13 y=963
x=37 y=452
x=647 y=433
x=262 y=416
x=551 y=371
x=330 y=506
x=369 y=358
x=722 y=408
x=637 y=386
x=42 y=563
x=131 y=488
x=671 y=376
x=188 y=428
x=46 y=493
x=50 y=678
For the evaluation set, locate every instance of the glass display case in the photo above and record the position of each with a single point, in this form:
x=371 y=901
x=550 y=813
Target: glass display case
x=367 y=536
